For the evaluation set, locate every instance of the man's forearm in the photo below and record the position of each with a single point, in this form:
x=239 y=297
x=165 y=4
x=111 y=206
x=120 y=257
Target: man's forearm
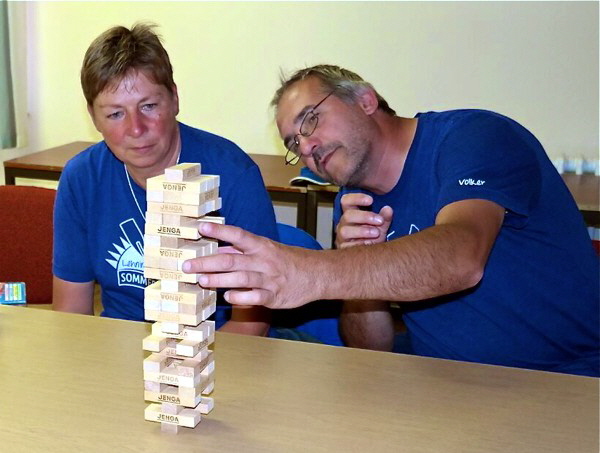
x=367 y=325
x=424 y=265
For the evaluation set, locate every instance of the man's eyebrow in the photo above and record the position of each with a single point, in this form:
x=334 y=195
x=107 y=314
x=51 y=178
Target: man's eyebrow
x=298 y=118
x=302 y=113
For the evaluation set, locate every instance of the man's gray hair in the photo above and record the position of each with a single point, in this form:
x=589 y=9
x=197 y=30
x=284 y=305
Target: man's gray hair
x=348 y=85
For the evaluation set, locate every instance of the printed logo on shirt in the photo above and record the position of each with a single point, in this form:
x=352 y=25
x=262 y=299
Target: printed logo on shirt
x=128 y=257
x=413 y=229
x=470 y=182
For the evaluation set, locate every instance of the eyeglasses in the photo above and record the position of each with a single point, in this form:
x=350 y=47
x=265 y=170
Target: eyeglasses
x=307 y=127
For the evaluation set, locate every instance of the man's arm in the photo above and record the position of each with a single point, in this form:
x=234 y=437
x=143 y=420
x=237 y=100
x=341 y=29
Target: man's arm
x=248 y=321
x=443 y=259
x=73 y=297
x=365 y=324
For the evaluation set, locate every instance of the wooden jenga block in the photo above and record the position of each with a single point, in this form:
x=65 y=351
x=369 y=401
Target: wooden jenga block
x=184 y=293
x=182 y=172
x=155 y=218
x=187 y=231
x=171 y=328
x=173 y=286
x=155 y=240
x=207 y=379
x=157 y=362
x=185 y=306
x=169 y=375
x=187 y=251
x=205 y=405
x=155 y=387
x=169 y=428
x=179 y=372
x=187 y=210
x=161 y=274
x=158 y=218
x=200 y=332
x=184 y=198
x=191 y=367
x=195 y=395
x=186 y=417
x=188 y=348
x=213 y=219
x=151 y=304
x=199 y=184
x=185 y=366
x=198 y=300
x=155 y=343
x=180 y=318
x=188 y=397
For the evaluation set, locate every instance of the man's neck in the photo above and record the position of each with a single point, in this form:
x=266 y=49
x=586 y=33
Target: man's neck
x=389 y=154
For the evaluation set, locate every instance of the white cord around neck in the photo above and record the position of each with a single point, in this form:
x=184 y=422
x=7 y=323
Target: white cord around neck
x=133 y=193
x=131 y=187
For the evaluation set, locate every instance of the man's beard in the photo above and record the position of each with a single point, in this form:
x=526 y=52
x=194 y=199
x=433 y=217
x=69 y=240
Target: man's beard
x=358 y=158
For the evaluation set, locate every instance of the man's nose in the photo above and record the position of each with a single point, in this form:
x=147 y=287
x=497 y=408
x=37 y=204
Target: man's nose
x=307 y=145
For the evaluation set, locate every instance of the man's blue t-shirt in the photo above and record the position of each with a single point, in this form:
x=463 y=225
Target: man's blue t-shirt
x=537 y=305
x=98 y=228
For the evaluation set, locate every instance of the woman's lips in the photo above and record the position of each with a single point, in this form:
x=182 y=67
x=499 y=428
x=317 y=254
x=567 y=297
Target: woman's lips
x=142 y=149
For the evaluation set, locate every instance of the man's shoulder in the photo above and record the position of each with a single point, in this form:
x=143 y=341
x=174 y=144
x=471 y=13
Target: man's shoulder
x=459 y=115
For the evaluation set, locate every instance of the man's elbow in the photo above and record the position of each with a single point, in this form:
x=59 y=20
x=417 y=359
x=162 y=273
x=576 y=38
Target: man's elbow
x=471 y=275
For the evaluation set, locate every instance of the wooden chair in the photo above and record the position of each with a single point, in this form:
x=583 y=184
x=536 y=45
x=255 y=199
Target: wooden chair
x=26 y=239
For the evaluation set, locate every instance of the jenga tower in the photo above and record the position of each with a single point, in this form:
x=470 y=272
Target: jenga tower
x=179 y=372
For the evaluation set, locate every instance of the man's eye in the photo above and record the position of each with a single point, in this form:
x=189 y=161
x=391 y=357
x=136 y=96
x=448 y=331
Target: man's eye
x=149 y=106
x=114 y=115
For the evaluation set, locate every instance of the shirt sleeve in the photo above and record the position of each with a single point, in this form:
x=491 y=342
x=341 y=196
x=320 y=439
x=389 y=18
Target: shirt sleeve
x=71 y=257
x=485 y=157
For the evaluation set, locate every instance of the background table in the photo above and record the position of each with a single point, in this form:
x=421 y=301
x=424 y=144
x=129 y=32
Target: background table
x=48 y=165
x=74 y=383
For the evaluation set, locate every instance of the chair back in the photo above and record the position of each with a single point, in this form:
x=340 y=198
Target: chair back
x=26 y=239
x=318 y=319
x=291 y=235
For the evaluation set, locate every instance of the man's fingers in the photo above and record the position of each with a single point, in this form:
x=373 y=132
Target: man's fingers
x=354 y=243
x=355 y=201
x=228 y=249
x=249 y=297
x=357 y=232
x=237 y=279
x=387 y=214
x=240 y=239
x=220 y=262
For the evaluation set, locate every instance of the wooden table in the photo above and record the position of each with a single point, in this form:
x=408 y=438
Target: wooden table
x=48 y=165
x=73 y=383
x=586 y=191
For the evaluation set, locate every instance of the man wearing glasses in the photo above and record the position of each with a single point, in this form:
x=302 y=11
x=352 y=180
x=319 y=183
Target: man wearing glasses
x=459 y=215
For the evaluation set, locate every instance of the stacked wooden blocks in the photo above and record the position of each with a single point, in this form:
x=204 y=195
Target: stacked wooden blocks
x=179 y=372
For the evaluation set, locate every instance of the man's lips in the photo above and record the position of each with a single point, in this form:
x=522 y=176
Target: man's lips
x=322 y=160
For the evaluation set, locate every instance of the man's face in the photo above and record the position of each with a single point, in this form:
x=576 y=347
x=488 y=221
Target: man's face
x=137 y=119
x=339 y=147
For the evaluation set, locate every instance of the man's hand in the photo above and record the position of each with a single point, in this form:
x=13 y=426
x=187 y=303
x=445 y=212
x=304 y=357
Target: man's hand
x=261 y=271
x=358 y=227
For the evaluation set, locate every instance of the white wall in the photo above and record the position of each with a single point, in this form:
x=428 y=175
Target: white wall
x=534 y=61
